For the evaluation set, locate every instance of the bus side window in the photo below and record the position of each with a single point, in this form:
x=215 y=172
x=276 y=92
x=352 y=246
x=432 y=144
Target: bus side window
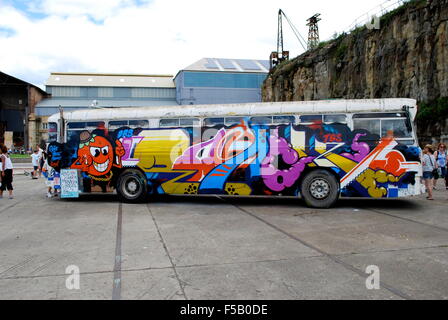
x=230 y=121
x=95 y=125
x=371 y=125
x=210 y=128
x=166 y=123
x=266 y=120
x=73 y=134
x=192 y=122
x=310 y=118
x=283 y=119
x=117 y=124
x=138 y=124
x=399 y=128
x=76 y=125
x=74 y=129
x=333 y=118
x=211 y=122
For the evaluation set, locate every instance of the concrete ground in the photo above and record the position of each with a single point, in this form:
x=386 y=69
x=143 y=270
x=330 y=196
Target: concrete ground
x=220 y=248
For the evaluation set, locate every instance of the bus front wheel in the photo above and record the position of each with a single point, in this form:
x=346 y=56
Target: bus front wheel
x=132 y=186
x=320 y=189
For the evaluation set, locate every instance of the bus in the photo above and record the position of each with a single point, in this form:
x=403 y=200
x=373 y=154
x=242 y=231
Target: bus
x=317 y=150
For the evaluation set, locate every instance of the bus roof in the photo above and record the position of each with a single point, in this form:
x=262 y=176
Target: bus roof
x=215 y=110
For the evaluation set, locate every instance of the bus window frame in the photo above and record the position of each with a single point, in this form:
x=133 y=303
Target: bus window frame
x=213 y=125
x=127 y=124
x=290 y=116
x=380 y=116
x=198 y=123
x=170 y=126
x=251 y=121
x=233 y=123
x=310 y=122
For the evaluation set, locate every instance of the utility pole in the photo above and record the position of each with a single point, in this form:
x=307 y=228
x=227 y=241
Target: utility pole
x=280 y=55
x=313 y=34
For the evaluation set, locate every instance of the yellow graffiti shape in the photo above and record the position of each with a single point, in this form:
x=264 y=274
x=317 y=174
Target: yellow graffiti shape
x=161 y=148
x=235 y=189
x=368 y=180
x=191 y=188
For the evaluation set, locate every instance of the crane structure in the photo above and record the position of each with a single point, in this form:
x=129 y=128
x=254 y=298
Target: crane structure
x=280 y=55
x=313 y=34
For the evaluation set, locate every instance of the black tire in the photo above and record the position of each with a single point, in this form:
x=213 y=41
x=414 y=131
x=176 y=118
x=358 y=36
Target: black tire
x=132 y=186
x=320 y=189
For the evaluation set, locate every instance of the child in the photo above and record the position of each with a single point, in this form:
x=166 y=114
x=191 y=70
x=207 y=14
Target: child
x=35 y=161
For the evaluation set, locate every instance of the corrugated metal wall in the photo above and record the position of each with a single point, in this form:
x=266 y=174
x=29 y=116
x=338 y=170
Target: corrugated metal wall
x=218 y=87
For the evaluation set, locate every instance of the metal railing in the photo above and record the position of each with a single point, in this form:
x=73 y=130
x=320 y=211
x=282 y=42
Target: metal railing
x=378 y=11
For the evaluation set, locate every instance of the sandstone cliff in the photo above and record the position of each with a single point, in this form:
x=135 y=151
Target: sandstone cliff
x=407 y=57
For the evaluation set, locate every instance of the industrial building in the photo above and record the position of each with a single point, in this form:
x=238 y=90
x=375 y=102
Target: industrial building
x=207 y=81
x=214 y=80
x=74 y=91
x=18 y=124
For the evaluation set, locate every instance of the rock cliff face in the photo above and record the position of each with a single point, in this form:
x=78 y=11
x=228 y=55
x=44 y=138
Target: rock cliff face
x=406 y=57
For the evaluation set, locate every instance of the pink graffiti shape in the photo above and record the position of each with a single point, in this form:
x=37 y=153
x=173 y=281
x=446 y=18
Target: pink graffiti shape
x=362 y=149
x=277 y=179
x=200 y=157
x=128 y=145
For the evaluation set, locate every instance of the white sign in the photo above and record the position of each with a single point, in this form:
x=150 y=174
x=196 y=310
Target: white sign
x=69 y=183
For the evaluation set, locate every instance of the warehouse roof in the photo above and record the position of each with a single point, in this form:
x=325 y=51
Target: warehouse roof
x=229 y=65
x=49 y=106
x=110 y=80
x=8 y=80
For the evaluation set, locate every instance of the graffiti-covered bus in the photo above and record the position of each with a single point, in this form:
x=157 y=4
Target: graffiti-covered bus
x=316 y=150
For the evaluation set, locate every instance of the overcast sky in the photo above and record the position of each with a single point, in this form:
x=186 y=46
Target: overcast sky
x=153 y=36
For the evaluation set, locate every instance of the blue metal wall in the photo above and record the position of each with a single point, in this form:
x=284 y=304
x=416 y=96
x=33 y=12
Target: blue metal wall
x=218 y=87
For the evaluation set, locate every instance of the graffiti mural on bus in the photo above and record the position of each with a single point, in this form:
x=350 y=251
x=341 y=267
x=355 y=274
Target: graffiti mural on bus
x=243 y=159
x=96 y=154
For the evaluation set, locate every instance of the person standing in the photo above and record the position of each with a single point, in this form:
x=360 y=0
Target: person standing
x=6 y=172
x=429 y=164
x=40 y=152
x=35 y=163
x=49 y=174
x=441 y=156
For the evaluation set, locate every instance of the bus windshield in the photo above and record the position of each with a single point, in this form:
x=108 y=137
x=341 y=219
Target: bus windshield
x=52 y=132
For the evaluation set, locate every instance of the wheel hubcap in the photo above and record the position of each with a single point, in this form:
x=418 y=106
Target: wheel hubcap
x=131 y=187
x=319 y=188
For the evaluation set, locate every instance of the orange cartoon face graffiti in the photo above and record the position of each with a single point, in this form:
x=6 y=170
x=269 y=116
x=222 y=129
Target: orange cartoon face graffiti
x=96 y=155
x=102 y=156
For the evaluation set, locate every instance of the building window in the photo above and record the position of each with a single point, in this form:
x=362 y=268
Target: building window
x=105 y=92
x=153 y=93
x=66 y=91
x=122 y=92
x=224 y=80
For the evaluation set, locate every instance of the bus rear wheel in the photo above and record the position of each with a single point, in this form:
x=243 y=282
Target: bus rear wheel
x=320 y=189
x=132 y=186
